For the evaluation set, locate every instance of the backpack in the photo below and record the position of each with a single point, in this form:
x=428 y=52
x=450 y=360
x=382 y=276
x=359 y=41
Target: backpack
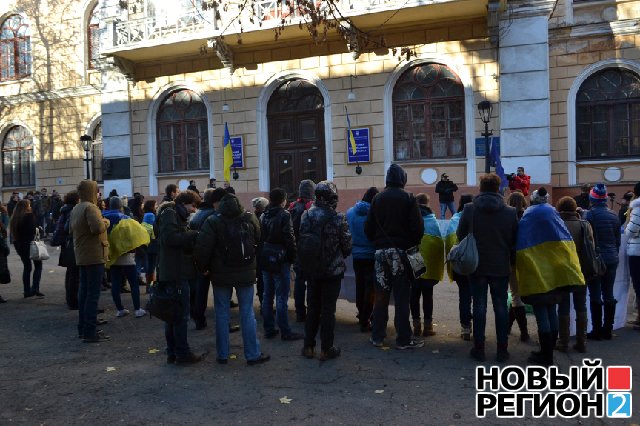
x=239 y=241
x=591 y=263
x=464 y=256
x=311 y=248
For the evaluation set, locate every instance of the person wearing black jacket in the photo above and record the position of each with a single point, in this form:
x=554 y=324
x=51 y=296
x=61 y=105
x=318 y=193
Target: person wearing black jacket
x=23 y=228
x=394 y=224
x=277 y=255
x=445 y=189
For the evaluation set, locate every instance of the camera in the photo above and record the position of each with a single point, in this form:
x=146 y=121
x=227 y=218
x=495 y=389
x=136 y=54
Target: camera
x=511 y=176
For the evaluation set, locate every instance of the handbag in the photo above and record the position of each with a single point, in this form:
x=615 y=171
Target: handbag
x=464 y=256
x=591 y=262
x=67 y=257
x=38 y=249
x=163 y=304
x=272 y=257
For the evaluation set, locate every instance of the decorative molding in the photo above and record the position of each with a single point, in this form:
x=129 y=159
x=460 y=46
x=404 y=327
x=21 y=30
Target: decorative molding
x=629 y=26
x=69 y=92
x=126 y=67
x=223 y=51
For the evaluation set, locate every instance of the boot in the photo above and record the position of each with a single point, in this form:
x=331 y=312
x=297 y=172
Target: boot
x=609 y=314
x=543 y=357
x=477 y=352
x=502 y=354
x=596 y=322
x=563 y=340
x=417 y=327
x=581 y=332
x=465 y=332
x=512 y=318
x=520 y=314
x=428 y=330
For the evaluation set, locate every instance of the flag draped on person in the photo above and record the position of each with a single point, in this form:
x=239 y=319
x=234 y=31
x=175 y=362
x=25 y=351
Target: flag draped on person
x=546 y=256
x=228 y=154
x=350 y=138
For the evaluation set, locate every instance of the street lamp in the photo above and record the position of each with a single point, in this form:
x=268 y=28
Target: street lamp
x=484 y=109
x=86 y=145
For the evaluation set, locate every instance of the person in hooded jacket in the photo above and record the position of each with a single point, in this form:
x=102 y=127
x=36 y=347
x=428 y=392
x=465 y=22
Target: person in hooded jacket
x=394 y=224
x=324 y=289
x=211 y=256
x=495 y=227
x=517 y=310
x=363 y=255
x=278 y=253
x=606 y=231
x=176 y=268
x=60 y=237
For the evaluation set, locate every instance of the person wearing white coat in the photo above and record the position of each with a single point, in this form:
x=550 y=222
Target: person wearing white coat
x=633 y=247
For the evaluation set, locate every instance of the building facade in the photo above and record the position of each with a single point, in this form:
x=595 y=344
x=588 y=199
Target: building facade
x=155 y=82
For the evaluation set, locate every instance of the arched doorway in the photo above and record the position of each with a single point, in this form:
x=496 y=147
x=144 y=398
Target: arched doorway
x=295 y=115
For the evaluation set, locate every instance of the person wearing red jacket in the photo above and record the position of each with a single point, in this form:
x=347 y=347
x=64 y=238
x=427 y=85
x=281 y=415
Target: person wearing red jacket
x=520 y=181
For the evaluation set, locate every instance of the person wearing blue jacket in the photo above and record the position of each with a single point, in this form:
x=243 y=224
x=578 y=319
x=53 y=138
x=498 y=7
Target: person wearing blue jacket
x=363 y=254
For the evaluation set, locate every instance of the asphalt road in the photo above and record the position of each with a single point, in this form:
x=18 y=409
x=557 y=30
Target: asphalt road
x=47 y=376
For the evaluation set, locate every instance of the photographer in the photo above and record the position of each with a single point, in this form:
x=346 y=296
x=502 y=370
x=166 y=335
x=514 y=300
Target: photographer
x=519 y=181
x=445 y=189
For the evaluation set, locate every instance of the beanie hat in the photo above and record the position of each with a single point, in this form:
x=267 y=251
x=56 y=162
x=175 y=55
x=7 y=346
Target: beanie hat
x=540 y=196
x=598 y=193
x=259 y=202
x=149 y=218
x=306 y=189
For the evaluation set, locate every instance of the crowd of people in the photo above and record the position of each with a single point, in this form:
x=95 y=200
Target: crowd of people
x=528 y=252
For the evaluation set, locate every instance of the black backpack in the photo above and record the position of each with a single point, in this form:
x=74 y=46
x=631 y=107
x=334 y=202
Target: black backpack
x=311 y=248
x=591 y=262
x=239 y=241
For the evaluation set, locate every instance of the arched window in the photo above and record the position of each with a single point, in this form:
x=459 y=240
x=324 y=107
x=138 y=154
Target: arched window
x=15 y=49
x=428 y=114
x=18 y=165
x=608 y=115
x=93 y=38
x=96 y=154
x=183 y=142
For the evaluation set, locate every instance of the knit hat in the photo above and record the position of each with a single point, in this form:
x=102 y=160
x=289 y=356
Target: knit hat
x=149 y=218
x=327 y=194
x=540 y=196
x=306 y=189
x=259 y=202
x=598 y=193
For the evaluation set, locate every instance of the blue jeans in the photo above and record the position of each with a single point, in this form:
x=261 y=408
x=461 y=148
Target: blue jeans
x=29 y=287
x=546 y=317
x=88 y=296
x=579 y=301
x=176 y=333
x=118 y=274
x=299 y=291
x=276 y=285
x=601 y=289
x=464 y=302
x=401 y=287
x=498 y=287
x=443 y=208
x=222 y=297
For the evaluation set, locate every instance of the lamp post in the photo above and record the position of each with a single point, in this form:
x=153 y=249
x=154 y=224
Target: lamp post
x=86 y=145
x=484 y=109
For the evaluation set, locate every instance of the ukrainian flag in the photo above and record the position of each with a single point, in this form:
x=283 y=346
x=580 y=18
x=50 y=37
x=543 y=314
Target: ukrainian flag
x=432 y=249
x=546 y=256
x=352 y=140
x=451 y=239
x=228 y=154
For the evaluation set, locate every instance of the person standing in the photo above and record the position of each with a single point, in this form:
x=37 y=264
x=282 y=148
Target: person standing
x=582 y=200
x=89 y=230
x=176 y=268
x=445 y=190
x=4 y=253
x=393 y=224
x=259 y=205
x=495 y=227
x=23 y=230
x=363 y=255
x=606 y=231
x=62 y=237
x=170 y=192
x=632 y=231
x=520 y=181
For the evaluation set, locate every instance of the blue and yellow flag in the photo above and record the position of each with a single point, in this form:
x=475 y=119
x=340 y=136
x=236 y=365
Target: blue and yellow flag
x=432 y=249
x=451 y=239
x=228 y=154
x=352 y=140
x=546 y=256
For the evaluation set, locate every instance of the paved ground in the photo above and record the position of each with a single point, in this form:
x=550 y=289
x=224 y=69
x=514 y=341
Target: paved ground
x=47 y=376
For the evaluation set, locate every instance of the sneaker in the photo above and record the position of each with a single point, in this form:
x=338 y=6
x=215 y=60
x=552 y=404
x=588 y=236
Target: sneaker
x=38 y=294
x=292 y=336
x=377 y=344
x=414 y=343
x=465 y=333
x=260 y=360
x=140 y=313
x=308 y=352
x=122 y=312
x=331 y=353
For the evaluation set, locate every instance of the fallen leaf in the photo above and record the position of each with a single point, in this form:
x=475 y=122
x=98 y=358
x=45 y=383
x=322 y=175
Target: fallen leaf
x=385 y=348
x=154 y=351
x=232 y=356
x=435 y=351
x=28 y=409
x=109 y=369
x=379 y=390
x=285 y=400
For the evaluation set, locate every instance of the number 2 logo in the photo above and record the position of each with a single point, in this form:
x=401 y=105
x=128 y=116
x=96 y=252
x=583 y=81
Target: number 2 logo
x=619 y=404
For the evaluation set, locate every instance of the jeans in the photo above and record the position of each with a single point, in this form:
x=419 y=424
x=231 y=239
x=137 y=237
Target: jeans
x=71 y=286
x=222 y=298
x=200 y=301
x=422 y=288
x=176 y=333
x=88 y=296
x=322 y=295
x=579 y=301
x=634 y=271
x=365 y=288
x=443 y=208
x=151 y=261
x=464 y=302
x=277 y=285
x=601 y=288
x=546 y=317
x=118 y=274
x=26 y=271
x=498 y=287
x=299 y=289
x=401 y=287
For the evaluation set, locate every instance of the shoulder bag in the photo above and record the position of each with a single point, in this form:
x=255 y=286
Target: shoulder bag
x=38 y=249
x=464 y=256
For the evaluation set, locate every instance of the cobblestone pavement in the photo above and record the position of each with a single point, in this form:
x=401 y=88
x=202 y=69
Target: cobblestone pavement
x=47 y=376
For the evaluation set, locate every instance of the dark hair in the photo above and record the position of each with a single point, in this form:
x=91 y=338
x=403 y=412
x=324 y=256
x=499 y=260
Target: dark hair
x=230 y=190
x=218 y=194
x=170 y=189
x=566 y=204
x=19 y=212
x=150 y=206
x=464 y=199
x=277 y=196
x=188 y=197
x=422 y=199
x=519 y=201
x=371 y=192
x=72 y=197
x=636 y=189
x=490 y=183
x=207 y=196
